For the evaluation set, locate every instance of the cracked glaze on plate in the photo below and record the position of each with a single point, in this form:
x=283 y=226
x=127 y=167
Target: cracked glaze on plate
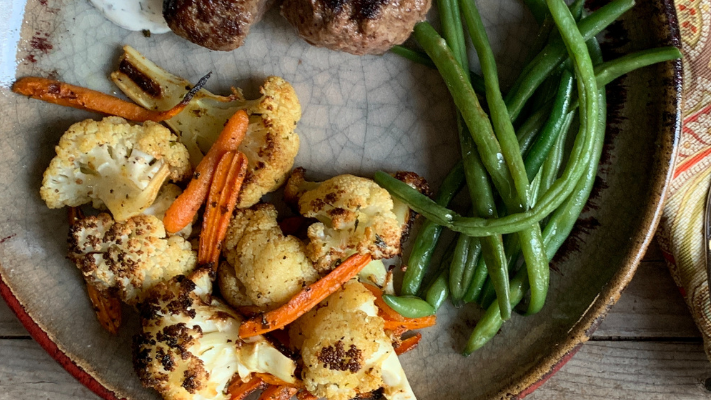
x=361 y=114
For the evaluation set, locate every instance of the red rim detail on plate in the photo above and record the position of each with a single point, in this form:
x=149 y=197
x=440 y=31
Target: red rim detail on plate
x=50 y=347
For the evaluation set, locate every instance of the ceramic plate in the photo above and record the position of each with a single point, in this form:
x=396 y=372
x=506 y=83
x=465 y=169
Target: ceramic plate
x=361 y=114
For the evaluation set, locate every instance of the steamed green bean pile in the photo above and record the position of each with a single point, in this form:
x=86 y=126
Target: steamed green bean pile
x=527 y=185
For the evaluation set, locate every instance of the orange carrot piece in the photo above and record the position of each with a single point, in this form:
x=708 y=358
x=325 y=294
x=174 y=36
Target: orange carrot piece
x=390 y=314
x=306 y=299
x=411 y=323
x=82 y=98
x=274 y=392
x=106 y=307
x=221 y=201
x=239 y=390
x=408 y=344
x=273 y=380
x=184 y=208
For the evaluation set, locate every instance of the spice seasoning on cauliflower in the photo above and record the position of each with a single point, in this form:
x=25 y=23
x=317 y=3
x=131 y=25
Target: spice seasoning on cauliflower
x=264 y=267
x=345 y=349
x=189 y=348
x=114 y=164
x=356 y=216
x=270 y=145
x=128 y=257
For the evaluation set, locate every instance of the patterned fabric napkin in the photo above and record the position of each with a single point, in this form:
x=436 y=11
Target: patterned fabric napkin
x=681 y=231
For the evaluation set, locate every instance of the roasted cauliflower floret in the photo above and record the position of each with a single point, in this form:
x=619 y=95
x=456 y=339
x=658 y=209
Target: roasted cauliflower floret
x=356 y=216
x=114 y=164
x=270 y=144
x=264 y=267
x=128 y=257
x=344 y=348
x=190 y=348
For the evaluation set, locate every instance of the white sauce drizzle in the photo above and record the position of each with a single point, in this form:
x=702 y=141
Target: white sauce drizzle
x=134 y=15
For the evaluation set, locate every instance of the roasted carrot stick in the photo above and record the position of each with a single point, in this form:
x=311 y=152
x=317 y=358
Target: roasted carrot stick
x=82 y=98
x=184 y=208
x=408 y=344
x=306 y=299
x=273 y=380
x=221 y=201
x=106 y=306
x=411 y=323
x=239 y=390
x=384 y=307
x=278 y=393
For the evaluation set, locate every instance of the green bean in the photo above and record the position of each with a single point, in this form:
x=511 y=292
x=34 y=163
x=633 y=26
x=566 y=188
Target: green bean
x=412 y=55
x=501 y=122
x=409 y=306
x=611 y=70
x=555 y=52
x=551 y=166
x=464 y=97
x=422 y=58
x=438 y=291
x=452 y=30
x=490 y=324
x=477 y=283
x=466 y=254
x=475 y=170
x=557 y=229
x=553 y=127
x=529 y=130
x=429 y=234
x=456 y=269
x=538 y=8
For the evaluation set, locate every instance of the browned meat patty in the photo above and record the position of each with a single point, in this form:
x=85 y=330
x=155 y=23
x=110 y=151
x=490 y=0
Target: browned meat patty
x=215 y=24
x=355 y=26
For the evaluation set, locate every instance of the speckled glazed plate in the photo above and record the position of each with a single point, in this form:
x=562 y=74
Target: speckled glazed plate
x=361 y=114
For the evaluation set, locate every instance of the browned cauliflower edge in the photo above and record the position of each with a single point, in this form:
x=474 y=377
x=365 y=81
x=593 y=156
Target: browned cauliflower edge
x=129 y=257
x=271 y=142
x=264 y=267
x=113 y=164
x=189 y=347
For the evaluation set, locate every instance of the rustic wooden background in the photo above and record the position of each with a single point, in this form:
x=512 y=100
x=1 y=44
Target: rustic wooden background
x=647 y=348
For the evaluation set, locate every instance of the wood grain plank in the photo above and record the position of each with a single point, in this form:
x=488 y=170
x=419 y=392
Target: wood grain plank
x=631 y=370
x=9 y=325
x=600 y=370
x=28 y=372
x=650 y=307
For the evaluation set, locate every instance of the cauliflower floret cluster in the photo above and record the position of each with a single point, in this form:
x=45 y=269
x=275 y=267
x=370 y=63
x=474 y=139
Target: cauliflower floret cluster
x=355 y=216
x=114 y=164
x=190 y=348
x=345 y=349
x=128 y=257
x=270 y=145
x=264 y=267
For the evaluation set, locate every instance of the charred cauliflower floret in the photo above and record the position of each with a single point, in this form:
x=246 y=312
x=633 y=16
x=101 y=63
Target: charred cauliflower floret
x=128 y=257
x=345 y=349
x=190 y=349
x=356 y=216
x=270 y=144
x=264 y=267
x=114 y=164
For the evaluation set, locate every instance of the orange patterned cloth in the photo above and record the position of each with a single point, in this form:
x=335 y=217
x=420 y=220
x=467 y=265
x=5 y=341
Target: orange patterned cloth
x=681 y=230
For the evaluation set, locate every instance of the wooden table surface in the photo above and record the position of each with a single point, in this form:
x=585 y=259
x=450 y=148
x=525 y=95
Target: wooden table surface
x=647 y=348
